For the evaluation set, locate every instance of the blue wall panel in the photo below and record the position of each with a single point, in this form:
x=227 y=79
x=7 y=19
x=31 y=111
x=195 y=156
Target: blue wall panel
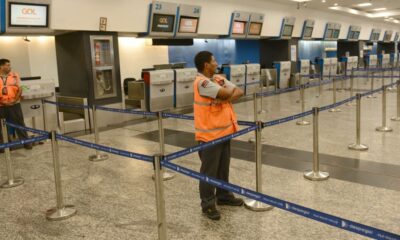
x=316 y=49
x=225 y=51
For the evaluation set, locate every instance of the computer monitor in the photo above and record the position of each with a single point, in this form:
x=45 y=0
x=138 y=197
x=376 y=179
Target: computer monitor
x=287 y=31
x=163 y=23
x=188 y=24
x=255 y=28
x=239 y=27
x=28 y=15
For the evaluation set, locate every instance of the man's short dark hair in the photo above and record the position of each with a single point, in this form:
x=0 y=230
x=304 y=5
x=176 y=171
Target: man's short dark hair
x=201 y=58
x=4 y=61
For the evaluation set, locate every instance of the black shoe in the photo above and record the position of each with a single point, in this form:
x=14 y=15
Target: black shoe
x=230 y=202
x=212 y=213
x=28 y=146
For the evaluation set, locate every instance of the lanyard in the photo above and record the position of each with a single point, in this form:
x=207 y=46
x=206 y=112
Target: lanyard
x=4 y=79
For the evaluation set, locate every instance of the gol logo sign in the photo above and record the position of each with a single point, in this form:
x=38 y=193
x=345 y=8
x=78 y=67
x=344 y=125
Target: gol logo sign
x=28 y=11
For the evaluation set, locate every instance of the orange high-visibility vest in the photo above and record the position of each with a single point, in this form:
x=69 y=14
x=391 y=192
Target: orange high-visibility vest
x=12 y=85
x=212 y=120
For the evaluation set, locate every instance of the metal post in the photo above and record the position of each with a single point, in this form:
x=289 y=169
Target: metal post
x=61 y=211
x=98 y=156
x=160 y=202
x=351 y=88
x=11 y=181
x=358 y=146
x=261 y=98
x=334 y=97
x=391 y=88
x=166 y=175
x=397 y=118
x=251 y=203
x=320 y=86
x=252 y=139
x=384 y=127
x=315 y=174
x=372 y=85
x=44 y=115
x=302 y=122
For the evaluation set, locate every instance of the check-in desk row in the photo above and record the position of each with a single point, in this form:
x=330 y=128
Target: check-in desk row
x=166 y=89
x=245 y=76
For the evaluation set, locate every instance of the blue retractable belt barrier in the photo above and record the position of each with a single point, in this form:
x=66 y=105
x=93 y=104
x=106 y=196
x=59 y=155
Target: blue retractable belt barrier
x=67 y=105
x=37 y=131
x=177 y=116
x=288 y=206
x=286 y=119
x=106 y=149
x=129 y=111
x=24 y=141
x=203 y=146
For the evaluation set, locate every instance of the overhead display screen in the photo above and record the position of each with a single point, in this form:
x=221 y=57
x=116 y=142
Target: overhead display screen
x=329 y=33
x=188 y=25
x=238 y=27
x=28 y=15
x=308 y=31
x=336 y=33
x=163 y=23
x=287 y=31
x=255 y=28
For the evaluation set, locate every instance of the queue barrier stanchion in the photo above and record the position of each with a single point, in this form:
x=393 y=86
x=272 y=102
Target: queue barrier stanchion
x=44 y=115
x=160 y=202
x=358 y=146
x=391 y=88
x=335 y=109
x=98 y=156
x=11 y=181
x=319 y=86
x=166 y=175
x=256 y=112
x=251 y=203
x=316 y=174
x=384 y=127
x=61 y=211
x=351 y=103
x=397 y=118
x=302 y=122
x=372 y=74
x=261 y=111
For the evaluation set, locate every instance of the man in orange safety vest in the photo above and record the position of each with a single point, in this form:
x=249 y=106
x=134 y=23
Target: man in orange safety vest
x=214 y=117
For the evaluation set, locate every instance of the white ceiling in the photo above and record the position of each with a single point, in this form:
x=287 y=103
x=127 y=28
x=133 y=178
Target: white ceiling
x=347 y=6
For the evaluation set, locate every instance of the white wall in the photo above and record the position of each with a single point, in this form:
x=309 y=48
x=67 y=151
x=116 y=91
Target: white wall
x=42 y=56
x=132 y=16
x=16 y=50
x=137 y=53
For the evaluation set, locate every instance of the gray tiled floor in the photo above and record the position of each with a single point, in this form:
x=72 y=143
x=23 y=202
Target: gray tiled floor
x=115 y=198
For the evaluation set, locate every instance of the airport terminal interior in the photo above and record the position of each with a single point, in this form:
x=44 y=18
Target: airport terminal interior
x=107 y=99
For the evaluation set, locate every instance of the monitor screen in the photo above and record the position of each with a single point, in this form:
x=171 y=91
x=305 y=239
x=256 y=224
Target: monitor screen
x=388 y=37
x=329 y=33
x=351 y=35
x=255 y=28
x=28 y=15
x=188 y=24
x=238 y=27
x=396 y=37
x=336 y=33
x=375 y=36
x=356 y=35
x=308 y=32
x=287 y=31
x=163 y=23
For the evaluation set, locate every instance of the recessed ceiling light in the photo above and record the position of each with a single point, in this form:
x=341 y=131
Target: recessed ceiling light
x=324 y=1
x=379 y=9
x=300 y=1
x=364 y=4
x=335 y=4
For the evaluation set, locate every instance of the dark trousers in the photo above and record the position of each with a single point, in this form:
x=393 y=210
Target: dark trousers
x=14 y=115
x=214 y=163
